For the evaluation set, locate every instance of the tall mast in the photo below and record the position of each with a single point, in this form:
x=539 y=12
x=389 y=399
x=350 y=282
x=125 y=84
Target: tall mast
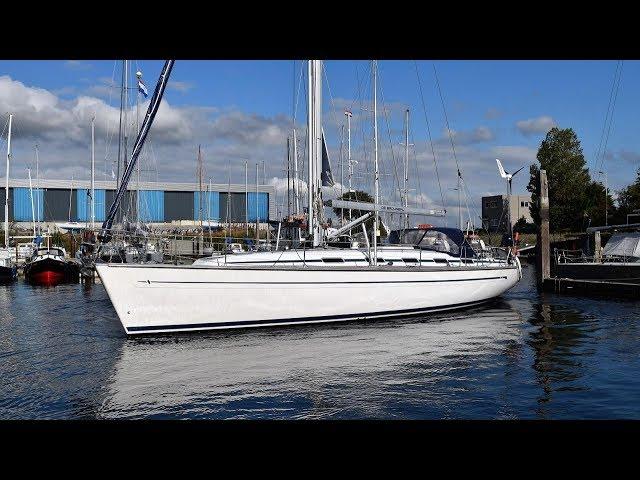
x=228 y=199
x=246 y=198
x=296 y=192
x=138 y=77
x=374 y=68
x=257 y=217
x=200 y=186
x=70 y=197
x=93 y=172
x=460 y=202
x=6 y=189
x=38 y=186
x=350 y=169
x=315 y=145
x=406 y=166
x=33 y=211
x=126 y=125
x=342 y=173
x=288 y=177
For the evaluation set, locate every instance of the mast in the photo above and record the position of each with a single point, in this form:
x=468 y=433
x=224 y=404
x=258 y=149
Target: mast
x=350 y=169
x=315 y=145
x=228 y=199
x=38 y=186
x=124 y=113
x=122 y=87
x=6 y=189
x=246 y=198
x=257 y=216
x=288 y=177
x=138 y=77
x=296 y=192
x=374 y=68
x=70 y=197
x=406 y=166
x=33 y=211
x=209 y=212
x=200 y=186
x=459 y=203
x=152 y=110
x=93 y=172
x=341 y=173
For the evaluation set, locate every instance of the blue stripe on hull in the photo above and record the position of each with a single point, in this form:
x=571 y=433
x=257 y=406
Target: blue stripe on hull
x=301 y=320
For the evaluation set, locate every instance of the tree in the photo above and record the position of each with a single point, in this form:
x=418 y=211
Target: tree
x=355 y=196
x=522 y=226
x=628 y=201
x=596 y=205
x=560 y=154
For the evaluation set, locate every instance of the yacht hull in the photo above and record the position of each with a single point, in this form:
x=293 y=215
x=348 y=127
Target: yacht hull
x=167 y=298
x=8 y=274
x=51 y=272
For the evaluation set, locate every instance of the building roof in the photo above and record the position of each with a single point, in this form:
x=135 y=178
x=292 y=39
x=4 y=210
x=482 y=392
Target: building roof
x=111 y=185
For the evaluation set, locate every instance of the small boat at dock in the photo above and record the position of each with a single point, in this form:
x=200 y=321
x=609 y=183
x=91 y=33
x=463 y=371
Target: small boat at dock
x=49 y=266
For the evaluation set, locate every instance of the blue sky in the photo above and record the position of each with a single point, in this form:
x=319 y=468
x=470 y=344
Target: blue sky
x=242 y=110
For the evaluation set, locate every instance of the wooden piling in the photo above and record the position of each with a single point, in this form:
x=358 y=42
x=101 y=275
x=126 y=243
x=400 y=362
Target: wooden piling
x=597 y=246
x=543 y=254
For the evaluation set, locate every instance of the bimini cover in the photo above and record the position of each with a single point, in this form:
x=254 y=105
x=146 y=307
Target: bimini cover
x=623 y=245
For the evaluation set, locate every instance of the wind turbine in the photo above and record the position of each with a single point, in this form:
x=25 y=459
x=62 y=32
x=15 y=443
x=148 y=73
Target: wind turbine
x=509 y=177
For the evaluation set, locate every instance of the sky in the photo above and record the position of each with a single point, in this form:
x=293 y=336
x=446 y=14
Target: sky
x=242 y=111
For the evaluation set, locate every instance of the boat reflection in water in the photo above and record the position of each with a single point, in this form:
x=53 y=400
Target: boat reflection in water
x=348 y=370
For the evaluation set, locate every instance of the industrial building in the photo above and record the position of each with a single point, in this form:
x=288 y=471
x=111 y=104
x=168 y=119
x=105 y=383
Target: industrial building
x=154 y=202
x=495 y=215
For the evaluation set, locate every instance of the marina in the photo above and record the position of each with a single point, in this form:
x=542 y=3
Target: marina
x=357 y=280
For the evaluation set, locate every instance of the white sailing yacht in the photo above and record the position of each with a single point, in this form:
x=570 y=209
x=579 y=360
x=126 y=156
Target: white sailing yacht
x=424 y=271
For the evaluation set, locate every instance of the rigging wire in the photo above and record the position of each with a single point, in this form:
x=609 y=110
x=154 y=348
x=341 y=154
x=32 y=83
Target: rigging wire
x=386 y=117
x=453 y=148
x=613 y=106
x=433 y=152
x=608 y=115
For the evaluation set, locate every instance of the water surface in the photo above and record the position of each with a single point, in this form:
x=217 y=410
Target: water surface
x=63 y=354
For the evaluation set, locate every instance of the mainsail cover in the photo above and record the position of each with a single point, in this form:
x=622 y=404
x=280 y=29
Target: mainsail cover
x=623 y=245
x=326 y=176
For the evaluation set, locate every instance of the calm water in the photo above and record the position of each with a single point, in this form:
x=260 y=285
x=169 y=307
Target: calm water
x=63 y=354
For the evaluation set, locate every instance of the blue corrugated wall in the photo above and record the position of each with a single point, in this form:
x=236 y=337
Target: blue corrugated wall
x=84 y=205
x=22 y=204
x=262 y=206
x=151 y=205
x=214 y=205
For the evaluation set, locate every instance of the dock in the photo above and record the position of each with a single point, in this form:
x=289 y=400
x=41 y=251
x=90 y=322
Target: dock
x=610 y=288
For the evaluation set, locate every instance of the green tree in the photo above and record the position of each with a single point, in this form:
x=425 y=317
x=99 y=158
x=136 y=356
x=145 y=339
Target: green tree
x=522 y=226
x=560 y=154
x=355 y=196
x=597 y=203
x=628 y=201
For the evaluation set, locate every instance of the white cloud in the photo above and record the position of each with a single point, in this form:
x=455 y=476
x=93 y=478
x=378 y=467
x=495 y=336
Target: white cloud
x=178 y=86
x=77 y=65
x=535 y=125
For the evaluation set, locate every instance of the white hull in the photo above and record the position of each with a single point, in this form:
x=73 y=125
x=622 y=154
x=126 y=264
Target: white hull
x=167 y=298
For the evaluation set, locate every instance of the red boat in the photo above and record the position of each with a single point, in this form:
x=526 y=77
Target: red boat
x=48 y=266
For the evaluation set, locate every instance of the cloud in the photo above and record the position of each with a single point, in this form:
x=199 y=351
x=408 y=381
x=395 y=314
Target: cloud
x=61 y=127
x=532 y=126
x=77 y=65
x=178 y=86
x=493 y=114
x=468 y=137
